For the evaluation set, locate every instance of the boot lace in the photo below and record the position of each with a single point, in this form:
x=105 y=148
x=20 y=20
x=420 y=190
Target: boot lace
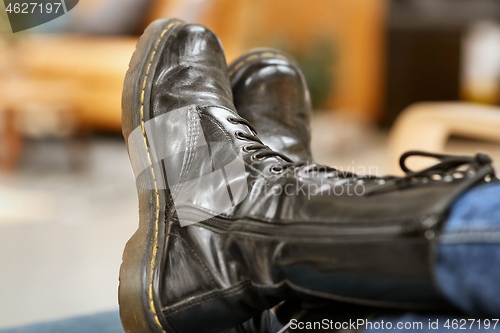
x=447 y=169
x=259 y=149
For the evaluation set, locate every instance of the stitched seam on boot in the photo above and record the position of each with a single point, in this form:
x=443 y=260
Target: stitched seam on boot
x=206 y=297
x=154 y=249
x=256 y=55
x=200 y=261
x=242 y=286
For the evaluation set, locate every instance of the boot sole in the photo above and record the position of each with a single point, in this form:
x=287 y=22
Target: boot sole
x=140 y=309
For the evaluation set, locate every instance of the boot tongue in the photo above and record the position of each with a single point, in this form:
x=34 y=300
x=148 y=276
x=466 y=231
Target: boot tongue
x=272 y=95
x=193 y=72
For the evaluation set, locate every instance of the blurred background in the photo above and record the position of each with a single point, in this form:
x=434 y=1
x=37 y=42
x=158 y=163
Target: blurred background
x=385 y=76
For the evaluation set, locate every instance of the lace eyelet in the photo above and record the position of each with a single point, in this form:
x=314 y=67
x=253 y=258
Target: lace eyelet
x=276 y=169
x=247 y=149
x=232 y=120
x=238 y=134
x=334 y=174
x=448 y=178
x=255 y=157
x=436 y=177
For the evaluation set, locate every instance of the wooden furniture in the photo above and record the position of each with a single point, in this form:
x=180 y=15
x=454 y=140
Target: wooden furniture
x=79 y=78
x=59 y=86
x=427 y=126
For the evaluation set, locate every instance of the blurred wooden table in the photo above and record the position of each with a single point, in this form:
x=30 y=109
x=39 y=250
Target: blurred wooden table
x=59 y=85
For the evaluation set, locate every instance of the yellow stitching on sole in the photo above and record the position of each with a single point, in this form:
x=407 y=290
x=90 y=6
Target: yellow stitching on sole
x=254 y=56
x=236 y=67
x=157 y=195
x=265 y=54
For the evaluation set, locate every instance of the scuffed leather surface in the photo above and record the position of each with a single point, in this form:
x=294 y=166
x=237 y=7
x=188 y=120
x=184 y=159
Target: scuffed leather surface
x=272 y=94
x=190 y=74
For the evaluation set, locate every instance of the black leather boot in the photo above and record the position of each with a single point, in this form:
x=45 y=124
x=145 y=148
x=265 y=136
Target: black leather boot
x=269 y=90
x=229 y=227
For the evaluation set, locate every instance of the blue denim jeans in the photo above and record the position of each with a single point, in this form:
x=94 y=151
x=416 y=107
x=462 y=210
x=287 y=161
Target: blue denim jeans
x=467 y=270
x=467 y=267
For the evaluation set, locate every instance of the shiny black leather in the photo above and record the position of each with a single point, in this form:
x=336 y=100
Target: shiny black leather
x=270 y=91
x=307 y=240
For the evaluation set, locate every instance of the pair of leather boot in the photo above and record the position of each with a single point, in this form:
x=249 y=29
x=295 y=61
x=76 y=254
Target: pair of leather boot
x=236 y=218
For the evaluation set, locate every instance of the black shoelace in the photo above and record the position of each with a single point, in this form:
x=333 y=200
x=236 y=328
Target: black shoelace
x=260 y=150
x=447 y=169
